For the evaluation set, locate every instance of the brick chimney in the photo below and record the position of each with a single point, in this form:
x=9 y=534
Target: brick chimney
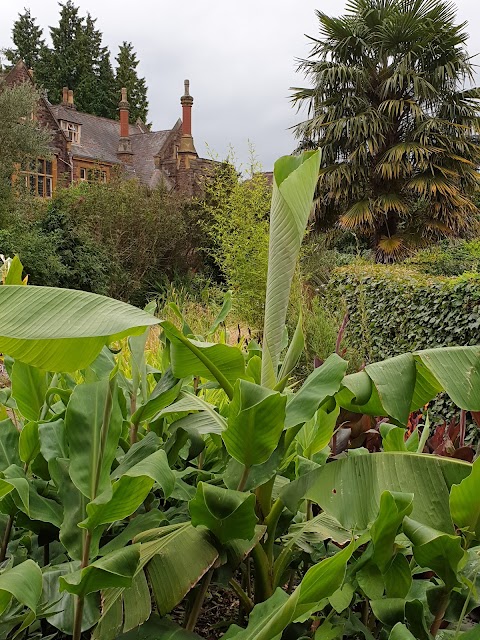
x=71 y=103
x=187 y=148
x=65 y=96
x=124 y=152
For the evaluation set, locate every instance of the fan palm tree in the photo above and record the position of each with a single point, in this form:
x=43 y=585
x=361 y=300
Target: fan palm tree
x=393 y=107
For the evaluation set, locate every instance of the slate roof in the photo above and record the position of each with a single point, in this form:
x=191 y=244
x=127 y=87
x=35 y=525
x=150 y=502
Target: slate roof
x=99 y=136
x=145 y=146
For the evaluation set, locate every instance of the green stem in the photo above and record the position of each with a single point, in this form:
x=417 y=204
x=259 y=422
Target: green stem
x=80 y=600
x=242 y=596
x=198 y=603
x=441 y=608
x=107 y=411
x=243 y=479
x=264 y=497
x=263 y=582
x=272 y=521
x=6 y=538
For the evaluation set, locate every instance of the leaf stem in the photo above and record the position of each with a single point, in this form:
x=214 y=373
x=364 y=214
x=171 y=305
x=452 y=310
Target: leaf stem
x=242 y=596
x=198 y=603
x=263 y=582
x=6 y=538
x=442 y=607
x=271 y=521
x=243 y=479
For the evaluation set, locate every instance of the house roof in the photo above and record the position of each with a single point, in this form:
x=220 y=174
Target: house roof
x=145 y=147
x=99 y=136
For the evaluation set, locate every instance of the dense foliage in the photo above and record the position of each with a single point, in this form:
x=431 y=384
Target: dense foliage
x=133 y=486
x=389 y=107
x=79 y=60
x=393 y=309
x=235 y=217
x=85 y=238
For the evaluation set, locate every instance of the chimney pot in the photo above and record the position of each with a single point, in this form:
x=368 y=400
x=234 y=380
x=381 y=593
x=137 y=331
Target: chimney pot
x=65 y=95
x=186 y=142
x=70 y=97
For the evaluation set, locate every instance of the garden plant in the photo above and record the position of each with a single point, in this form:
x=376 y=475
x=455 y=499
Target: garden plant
x=130 y=491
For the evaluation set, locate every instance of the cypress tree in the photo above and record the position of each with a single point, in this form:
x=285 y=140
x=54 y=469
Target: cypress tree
x=28 y=41
x=127 y=76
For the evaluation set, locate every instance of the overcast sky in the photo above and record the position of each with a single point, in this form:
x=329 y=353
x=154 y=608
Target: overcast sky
x=239 y=56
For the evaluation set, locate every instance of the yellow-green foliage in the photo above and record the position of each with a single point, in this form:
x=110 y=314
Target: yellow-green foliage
x=237 y=213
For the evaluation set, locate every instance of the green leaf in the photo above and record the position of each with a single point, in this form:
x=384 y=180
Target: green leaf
x=458 y=371
x=465 y=502
x=436 y=550
x=53 y=442
x=62 y=329
x=29 y=386
x=116 y=569
x=9 y=438
x=295 y=178
x=396 y=398
x=15 y=271
x=91 y=460
x=165 y=392
x=400 y=632
x=24 y=583
x=370 y=581
x=393 y=438
x=176 y=558
x=128 y=493
x=219 y=362
x=389 y=611
x=265 y=616
x=325 y=381
x=29 y=444
x=159 y=629
x=142 y=522
x=350 y=489
x=228 y=514
x=222 y=314
x=73 y=502
x=317 y=437
x=64 y=604
x=255 y=423
x=293 y=354
x=207 y=420
x=398 y=577
x=394 y=507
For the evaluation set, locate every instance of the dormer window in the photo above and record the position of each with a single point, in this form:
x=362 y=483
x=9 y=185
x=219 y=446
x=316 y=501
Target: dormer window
x=71 y=130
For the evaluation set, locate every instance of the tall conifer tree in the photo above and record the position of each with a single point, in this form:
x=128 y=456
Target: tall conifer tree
x=28 y=41
x=127 y=77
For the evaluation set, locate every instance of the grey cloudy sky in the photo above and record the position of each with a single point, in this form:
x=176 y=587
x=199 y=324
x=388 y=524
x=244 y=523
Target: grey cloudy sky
x=239 y=57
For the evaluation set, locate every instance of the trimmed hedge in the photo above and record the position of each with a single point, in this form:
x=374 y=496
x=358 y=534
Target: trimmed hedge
x=393 y=310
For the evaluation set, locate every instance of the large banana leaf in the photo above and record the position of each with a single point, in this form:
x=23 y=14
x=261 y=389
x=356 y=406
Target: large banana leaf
x=465 y=502
x=91 y=456
x=255 y=423
x=295 y=178
x=62 y=329
x=396 y=386
x=350 y=490
x=116 y=569
x=24 y=583
x=176 y=557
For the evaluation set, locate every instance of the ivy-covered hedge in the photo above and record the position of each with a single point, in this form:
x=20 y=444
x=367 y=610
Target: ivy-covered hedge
x=392 y=309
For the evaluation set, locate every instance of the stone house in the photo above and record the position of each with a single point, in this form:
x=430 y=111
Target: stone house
x=90 y=148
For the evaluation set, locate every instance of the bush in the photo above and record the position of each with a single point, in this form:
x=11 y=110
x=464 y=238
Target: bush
x=118 y=239
x=393 y=309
